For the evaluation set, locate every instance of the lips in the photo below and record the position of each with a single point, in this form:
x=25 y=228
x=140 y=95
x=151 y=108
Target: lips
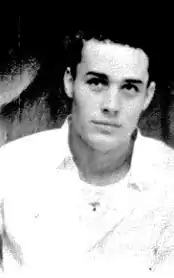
x=106 y=123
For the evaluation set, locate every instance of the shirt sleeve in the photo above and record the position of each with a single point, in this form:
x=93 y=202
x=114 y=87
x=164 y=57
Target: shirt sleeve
x=6 y=176
x=163 y=257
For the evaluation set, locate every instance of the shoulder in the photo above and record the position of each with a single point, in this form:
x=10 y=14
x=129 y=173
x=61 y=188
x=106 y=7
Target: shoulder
x=42 y=143
x=35 y=153
x=157 y=159
x=156 y=151
x=153 y=161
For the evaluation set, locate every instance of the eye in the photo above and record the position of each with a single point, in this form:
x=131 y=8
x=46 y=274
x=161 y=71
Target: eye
x=130 y=88
x=96 y=84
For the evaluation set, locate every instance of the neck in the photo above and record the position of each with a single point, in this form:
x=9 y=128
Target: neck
x=100 y=167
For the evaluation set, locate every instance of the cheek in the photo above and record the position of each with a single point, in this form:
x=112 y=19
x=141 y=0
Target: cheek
x=84 y=101
x=132 y=110
x=82 y=108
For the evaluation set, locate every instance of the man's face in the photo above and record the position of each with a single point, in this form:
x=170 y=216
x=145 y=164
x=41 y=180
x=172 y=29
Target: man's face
x=110 y=87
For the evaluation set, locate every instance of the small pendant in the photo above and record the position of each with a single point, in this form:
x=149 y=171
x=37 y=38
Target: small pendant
x=94 y=205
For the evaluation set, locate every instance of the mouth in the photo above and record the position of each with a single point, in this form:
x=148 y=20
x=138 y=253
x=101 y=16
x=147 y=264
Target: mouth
x=107 y=124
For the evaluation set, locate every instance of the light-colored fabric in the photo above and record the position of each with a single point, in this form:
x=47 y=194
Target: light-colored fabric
x=50 y=227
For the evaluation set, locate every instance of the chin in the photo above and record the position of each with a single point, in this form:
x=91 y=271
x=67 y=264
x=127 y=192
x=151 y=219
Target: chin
x=102 y=145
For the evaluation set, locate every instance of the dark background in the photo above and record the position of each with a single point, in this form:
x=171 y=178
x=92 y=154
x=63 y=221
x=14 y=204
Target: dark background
x=39 y=37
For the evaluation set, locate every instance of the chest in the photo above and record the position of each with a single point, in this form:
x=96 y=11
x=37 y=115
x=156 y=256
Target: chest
x=51 y=227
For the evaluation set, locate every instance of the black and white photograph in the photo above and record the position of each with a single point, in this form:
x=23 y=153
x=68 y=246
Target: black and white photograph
x=86 y=149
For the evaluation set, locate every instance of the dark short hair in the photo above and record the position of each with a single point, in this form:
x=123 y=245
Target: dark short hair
x=74 y=42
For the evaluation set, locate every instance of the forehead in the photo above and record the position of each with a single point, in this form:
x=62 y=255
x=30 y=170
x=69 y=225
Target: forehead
x=115 y=60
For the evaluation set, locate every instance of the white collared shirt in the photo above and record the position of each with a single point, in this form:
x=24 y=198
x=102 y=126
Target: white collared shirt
x=47 y=214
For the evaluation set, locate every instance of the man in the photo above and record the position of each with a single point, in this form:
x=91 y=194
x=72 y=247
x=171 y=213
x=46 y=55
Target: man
x=95 y=197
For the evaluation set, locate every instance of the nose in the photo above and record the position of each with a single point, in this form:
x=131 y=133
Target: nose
x=111 y=101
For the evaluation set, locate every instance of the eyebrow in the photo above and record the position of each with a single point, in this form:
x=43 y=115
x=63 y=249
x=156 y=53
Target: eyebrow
x=135 y=81
x=104 y=76
x=97 y=74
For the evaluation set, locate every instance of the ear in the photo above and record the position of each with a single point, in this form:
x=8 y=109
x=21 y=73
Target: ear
x=68 y=83
x=149 y=95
